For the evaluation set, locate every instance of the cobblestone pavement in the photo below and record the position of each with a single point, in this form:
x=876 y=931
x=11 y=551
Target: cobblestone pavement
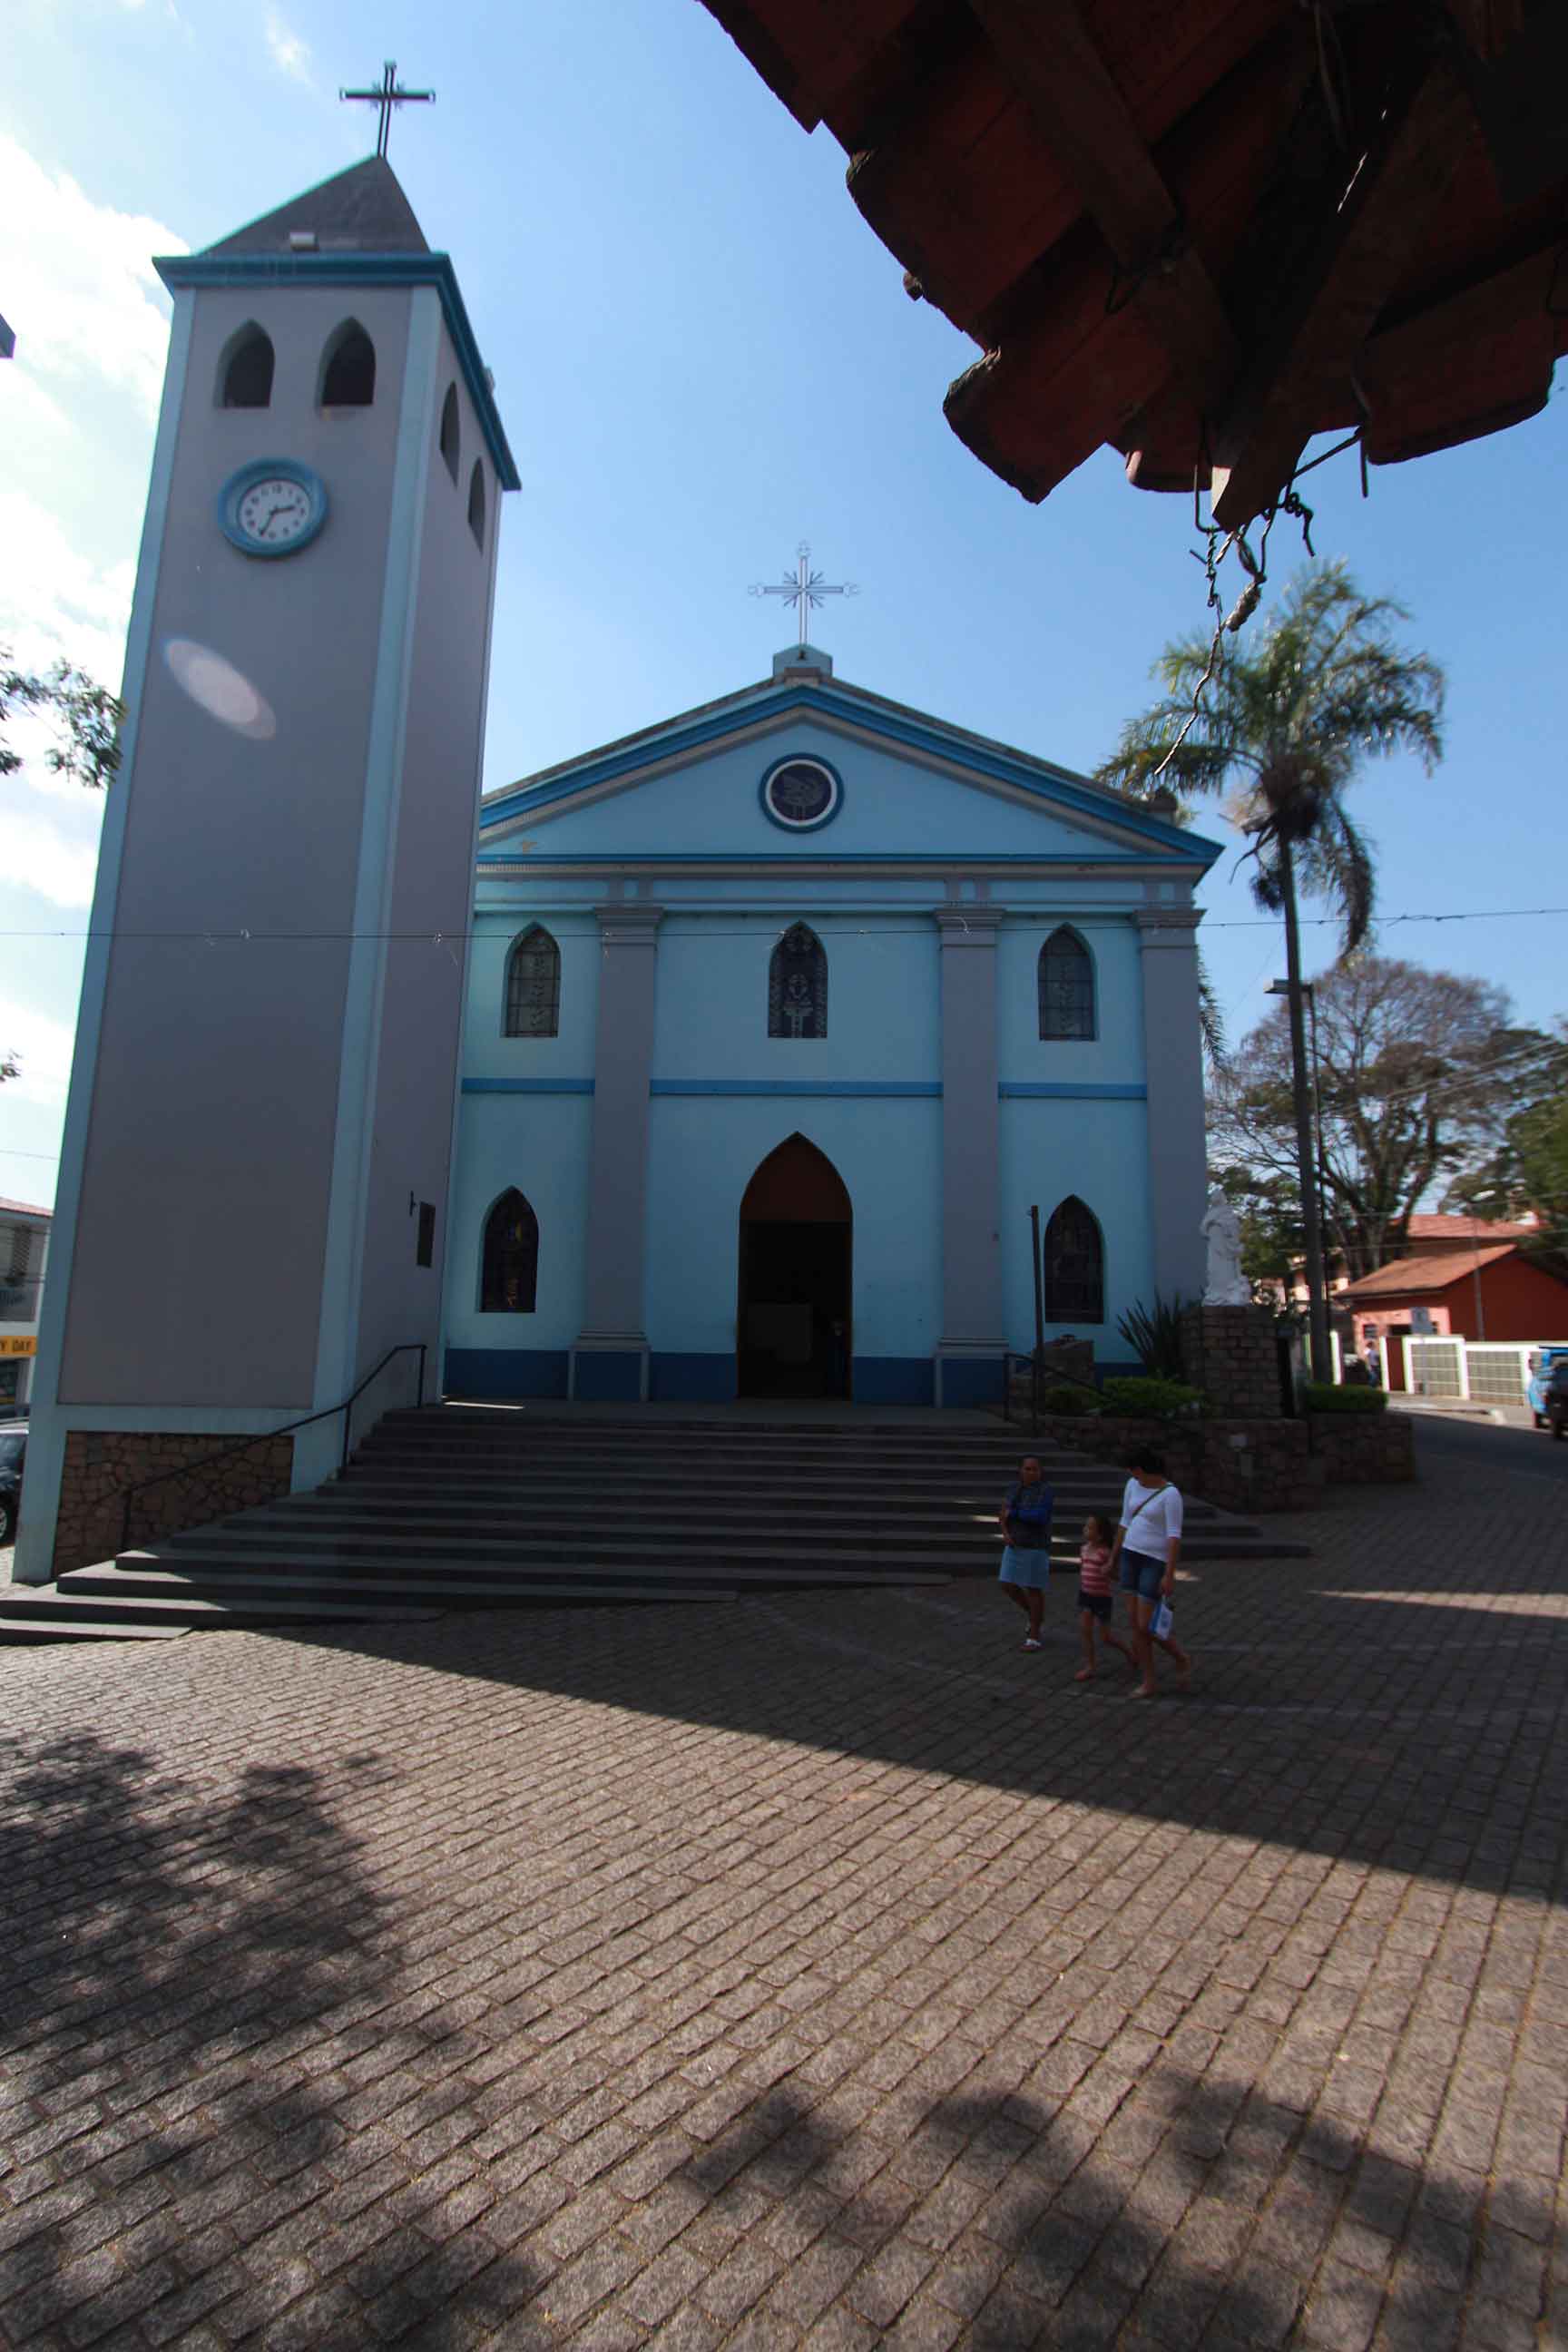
x=808 y=1971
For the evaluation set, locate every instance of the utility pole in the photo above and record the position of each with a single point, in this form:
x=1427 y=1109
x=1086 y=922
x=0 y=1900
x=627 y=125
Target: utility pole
x=1301 y=1095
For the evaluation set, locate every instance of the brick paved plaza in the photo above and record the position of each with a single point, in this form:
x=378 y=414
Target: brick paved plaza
x=810 y=1971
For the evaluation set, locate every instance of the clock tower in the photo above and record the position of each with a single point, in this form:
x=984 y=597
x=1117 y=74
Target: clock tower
x=253 y=1183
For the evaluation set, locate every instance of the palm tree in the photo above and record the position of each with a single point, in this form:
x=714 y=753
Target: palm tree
x=1280 y=732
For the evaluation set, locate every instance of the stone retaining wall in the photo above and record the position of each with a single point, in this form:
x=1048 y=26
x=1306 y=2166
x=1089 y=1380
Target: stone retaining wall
x=1243 y=1464
x=100 y=1464
x=1232 y=1354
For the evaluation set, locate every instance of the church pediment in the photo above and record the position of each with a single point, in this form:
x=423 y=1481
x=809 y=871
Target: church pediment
x=815 y=770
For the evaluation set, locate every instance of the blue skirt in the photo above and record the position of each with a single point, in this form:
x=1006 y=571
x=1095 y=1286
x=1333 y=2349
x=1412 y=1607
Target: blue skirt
x=1030 y=1568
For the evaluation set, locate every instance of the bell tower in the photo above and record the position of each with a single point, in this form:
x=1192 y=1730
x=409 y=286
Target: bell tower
x=253 y=1180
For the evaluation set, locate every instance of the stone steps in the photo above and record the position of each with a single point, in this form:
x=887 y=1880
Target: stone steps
x=454 y=1507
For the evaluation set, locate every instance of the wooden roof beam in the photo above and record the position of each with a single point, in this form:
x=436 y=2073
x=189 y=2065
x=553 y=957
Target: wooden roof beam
x=1257 y=439
x=1046 y=51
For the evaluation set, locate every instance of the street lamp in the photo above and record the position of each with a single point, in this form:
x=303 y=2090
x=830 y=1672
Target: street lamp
x=1304 y=1098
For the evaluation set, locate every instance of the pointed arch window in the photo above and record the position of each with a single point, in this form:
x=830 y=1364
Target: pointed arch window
x=533 y=986
x=451 y=431
x=245 y=375
x=348 y=368
x=1075 y=1265
x=477 y=503
x=509 y=1280
x=798 y=985
x=1066 y=986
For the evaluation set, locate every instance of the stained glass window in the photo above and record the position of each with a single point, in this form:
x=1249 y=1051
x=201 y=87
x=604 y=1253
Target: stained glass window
x=533 y=986
x=510 y=1280
x=798 y=985
x=1075 y=1265
x=1067 y=987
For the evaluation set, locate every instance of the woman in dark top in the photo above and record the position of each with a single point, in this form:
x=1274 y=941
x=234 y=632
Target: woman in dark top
x=1026 y=1519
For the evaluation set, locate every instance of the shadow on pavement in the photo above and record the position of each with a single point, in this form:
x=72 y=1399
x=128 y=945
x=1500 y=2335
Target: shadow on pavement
x=157 y=1933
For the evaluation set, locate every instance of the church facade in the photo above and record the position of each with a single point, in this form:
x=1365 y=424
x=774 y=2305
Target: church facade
x=781 y=1017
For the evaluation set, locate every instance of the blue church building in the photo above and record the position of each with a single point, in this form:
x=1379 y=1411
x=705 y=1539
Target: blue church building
x=782 y=1016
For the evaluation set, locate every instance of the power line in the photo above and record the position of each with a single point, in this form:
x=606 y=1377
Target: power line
x=826 y=914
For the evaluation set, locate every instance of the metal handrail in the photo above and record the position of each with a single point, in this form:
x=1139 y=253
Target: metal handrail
x=1059 y=1378
x=242 y=1444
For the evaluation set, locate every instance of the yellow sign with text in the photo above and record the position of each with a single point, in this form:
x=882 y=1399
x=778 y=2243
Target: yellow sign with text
x=27 y=1346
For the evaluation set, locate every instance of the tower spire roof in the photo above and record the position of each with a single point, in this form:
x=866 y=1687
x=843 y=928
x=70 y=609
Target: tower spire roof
x=362 y=210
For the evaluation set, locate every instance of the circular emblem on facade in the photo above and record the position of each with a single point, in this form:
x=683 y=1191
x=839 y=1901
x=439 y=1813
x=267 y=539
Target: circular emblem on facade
x=274 y=507
x=802 y=794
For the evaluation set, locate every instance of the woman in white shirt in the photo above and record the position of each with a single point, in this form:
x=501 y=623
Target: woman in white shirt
x=1148 y=1546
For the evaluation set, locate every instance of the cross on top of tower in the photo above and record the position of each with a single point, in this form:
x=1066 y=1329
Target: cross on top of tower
x=384 y=96
x=803 y=589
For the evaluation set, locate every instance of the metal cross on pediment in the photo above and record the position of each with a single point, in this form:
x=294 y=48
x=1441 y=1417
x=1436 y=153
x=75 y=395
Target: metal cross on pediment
x=386 y=95
x=803 y=589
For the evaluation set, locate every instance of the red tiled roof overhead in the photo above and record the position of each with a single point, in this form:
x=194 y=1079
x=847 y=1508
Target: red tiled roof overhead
x=22 y=1209
x=1406 y=1274
x=1204 y=230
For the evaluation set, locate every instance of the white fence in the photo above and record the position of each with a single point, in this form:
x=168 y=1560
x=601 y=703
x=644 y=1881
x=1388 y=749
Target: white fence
x=1479 y=1371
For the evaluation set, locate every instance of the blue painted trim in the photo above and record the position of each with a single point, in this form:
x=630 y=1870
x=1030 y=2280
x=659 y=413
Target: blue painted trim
x=363 y=270
x=1069 y=1090
x=675 y=1378
x=528 y=1086
x=608 y=1375
x=505 y=1372
x=802 y=760
x=893 y=1379
x=267 y=469
x=929 y=858
x=970 y=1380
x=1046 y=783
x=924 y=1087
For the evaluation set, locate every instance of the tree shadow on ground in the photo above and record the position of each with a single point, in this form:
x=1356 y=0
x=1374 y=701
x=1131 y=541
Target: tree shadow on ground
x=1190 y=2210
x=1316 y=1723
x=206 y=2008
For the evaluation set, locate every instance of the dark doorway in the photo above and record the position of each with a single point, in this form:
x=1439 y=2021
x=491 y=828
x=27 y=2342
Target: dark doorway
x=793 y=1325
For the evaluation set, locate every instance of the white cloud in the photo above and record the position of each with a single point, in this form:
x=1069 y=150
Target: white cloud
x=44 y=1049
x=54 y=599
x=57 y=859
x=80 y=290
x=289 y=53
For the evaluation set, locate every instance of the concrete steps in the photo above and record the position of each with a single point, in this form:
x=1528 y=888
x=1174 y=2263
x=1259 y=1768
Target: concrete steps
x=455 y=1508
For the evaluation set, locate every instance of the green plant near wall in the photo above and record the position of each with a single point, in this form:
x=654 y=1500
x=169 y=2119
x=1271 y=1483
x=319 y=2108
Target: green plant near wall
x=1159 y=1399
x=1321 y=1396
x=1155 y=1335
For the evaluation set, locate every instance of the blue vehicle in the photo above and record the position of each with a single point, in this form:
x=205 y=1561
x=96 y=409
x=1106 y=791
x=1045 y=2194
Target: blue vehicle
x=1541 y=1362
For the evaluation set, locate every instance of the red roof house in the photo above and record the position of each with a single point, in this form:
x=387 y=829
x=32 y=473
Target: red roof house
x=1495 y=1293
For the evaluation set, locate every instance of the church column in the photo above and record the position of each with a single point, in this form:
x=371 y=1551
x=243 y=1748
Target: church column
x=610 y=1357
x=1174 y=1074
x=968 y=1366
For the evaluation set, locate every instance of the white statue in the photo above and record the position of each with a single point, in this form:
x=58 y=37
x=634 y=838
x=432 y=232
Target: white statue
x=1227 y=1285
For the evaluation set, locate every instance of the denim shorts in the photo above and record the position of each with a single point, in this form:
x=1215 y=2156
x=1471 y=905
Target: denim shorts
x=1097 y=1604
x=1141 y=1575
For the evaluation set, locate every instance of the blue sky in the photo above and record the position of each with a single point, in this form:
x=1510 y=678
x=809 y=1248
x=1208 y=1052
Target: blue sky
x=703 y=355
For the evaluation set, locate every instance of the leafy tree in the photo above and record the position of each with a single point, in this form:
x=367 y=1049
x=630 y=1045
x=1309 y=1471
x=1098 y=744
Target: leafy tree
x=1279 y=730
x=87 y=720
x=86 y=717
x=1268 y=1210
x=1527 y=1173
x=1417 y=1075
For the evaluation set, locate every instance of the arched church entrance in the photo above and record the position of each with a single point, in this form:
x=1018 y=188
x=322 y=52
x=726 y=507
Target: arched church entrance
x=793 y=1325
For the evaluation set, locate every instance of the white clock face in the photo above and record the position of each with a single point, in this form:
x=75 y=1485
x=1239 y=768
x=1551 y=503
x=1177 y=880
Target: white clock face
x=274 y=511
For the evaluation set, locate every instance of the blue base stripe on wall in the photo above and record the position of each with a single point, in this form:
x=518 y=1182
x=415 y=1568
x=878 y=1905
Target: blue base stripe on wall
x=894 y=1379
x=608 y=1376
x=678 y=1379
x=506 y=1371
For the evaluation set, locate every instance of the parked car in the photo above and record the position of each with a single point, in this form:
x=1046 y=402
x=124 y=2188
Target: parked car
x=1543 y=1362
x=13 y=1457
x=1557 y=1398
